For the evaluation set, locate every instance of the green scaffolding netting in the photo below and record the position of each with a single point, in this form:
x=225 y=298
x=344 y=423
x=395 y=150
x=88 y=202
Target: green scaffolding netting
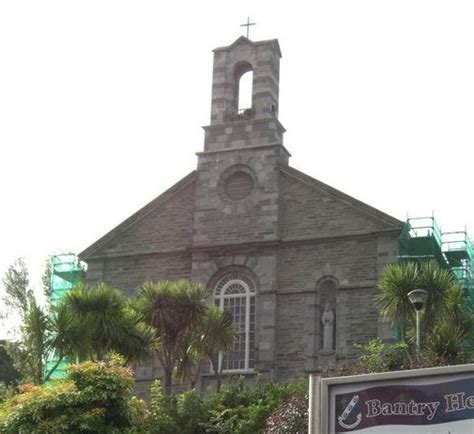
x=421 y=240
x=66 y=272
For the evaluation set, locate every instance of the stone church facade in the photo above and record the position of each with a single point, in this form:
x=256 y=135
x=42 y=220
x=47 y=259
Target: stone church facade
x=273 y=246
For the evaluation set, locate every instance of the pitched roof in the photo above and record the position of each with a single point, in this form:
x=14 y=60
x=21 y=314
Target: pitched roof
x=136 y=217
x=342 y=197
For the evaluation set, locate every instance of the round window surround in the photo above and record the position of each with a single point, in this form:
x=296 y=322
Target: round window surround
x=238 y=185
x=236 y=188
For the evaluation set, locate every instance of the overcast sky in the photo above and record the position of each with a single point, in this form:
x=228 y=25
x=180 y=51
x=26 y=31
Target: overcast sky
x=102 y=103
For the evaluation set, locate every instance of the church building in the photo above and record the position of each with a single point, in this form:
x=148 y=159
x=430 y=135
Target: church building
x=294 y=260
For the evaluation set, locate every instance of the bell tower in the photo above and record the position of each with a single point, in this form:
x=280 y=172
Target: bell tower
x=237 y=174
x=233 y=127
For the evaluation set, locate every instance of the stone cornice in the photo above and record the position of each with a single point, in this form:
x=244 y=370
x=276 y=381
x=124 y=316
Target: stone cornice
x=245 y=122
x=288 y=242
x=141 y=253
x=244 y=148
x=347 y=286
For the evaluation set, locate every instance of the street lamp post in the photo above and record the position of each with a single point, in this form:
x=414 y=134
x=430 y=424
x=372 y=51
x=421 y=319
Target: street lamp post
x=418 y=298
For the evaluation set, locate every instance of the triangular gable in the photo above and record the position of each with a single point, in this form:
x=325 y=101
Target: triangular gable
x=244 y=40
x=137 y=217
x=384 y=220
x=239 y=40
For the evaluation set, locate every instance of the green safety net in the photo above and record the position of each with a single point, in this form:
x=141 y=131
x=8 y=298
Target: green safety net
x=421 y=239
x=66 y=272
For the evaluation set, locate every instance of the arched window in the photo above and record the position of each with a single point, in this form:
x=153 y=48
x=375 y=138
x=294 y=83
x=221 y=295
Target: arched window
x=245 y=91
x=243 y=87
x=235 y=293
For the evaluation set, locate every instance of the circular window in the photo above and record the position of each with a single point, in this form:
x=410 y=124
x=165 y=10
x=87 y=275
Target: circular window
x=238 y=185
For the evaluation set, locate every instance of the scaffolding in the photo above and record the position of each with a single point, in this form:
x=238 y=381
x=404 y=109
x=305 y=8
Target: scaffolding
x=67 y=271
x=422 y=239
x=459 y=252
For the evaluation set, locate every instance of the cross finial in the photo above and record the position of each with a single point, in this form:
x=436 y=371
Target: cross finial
x=248 y=24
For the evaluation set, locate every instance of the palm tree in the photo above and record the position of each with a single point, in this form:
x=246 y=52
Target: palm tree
x=62 y=339
x=439 y=283
x=174 y=309
x=449 y=336
x=392 y=300
x=41 y=336
x=218 y=334
x=214 y=335
x=101 y=320
x=457 y=307
x=398 y=280
x=34 y=331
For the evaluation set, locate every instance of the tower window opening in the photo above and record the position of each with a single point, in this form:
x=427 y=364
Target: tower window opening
x=245 y=91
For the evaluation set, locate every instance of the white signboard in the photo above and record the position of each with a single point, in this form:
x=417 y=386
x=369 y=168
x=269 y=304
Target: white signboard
x=434 y=401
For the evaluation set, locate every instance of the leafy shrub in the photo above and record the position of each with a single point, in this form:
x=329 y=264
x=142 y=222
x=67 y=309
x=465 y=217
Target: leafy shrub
x=8 y=374
x=6 y=391
x=237 y=408
x=447 y=342
x=379 y=357
x=242 y=409
x=94 y=398
x=290 y=417
x=193 y=413
x=444 y=348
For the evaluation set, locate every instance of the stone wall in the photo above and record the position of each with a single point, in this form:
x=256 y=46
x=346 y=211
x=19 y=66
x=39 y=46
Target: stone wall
x=155 y=246
x=259 y=263
x=237 y=134
x=219 y=220
x=310 y=210
x=129 y=272
x=326 y=234
x=167 y=227
x=299 y=305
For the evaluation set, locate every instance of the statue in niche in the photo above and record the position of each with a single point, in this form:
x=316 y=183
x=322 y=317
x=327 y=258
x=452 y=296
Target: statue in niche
x=327 y=320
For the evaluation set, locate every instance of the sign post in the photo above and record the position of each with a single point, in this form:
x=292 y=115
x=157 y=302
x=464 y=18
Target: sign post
x=314 y=419
x=432 y=400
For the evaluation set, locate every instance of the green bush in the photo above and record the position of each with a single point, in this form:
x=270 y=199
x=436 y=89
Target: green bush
x=186 y=413
x=379 y=357
x=447 y=342
x=242 y=409
x=94 y=398
x=193 y=413
x=6 y=391
x=237 y=408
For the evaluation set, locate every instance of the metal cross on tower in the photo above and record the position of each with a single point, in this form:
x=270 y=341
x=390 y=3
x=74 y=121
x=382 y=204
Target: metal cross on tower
x=248 y=25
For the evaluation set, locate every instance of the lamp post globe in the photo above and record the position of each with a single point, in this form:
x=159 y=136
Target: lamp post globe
x=418 y=298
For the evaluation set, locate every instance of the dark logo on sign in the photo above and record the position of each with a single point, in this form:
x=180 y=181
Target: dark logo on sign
x=342 y=419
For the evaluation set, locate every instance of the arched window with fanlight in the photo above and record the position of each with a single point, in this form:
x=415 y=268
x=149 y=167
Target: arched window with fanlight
x=235 y=293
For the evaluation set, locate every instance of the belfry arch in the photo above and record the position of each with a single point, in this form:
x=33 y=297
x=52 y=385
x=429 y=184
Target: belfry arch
x=243 y=85
x=232 y=63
